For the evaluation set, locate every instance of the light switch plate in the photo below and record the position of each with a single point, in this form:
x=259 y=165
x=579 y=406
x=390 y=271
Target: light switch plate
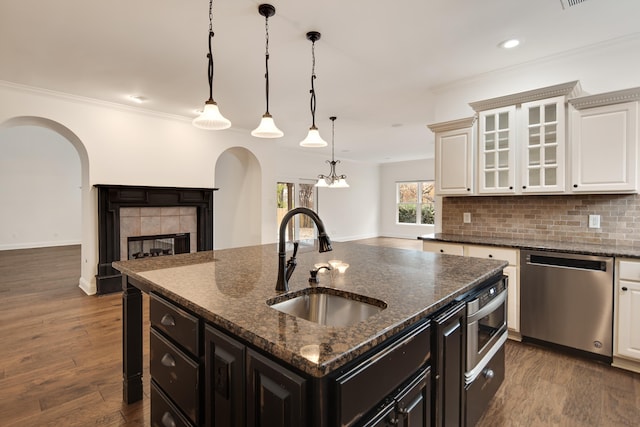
x=594 y=221
x=466 y=217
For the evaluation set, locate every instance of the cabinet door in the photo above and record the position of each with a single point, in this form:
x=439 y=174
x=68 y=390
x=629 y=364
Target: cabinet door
x=543 y=146
x=496 y=151
x=275 y=396
x=224 y=379
x=604 y=148
x=628 y=328
x=448 y=362
x=454 y=161
x=414 y=403
x=513 y=298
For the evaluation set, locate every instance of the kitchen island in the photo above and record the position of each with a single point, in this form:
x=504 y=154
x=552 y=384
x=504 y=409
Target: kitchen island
x=225 y=294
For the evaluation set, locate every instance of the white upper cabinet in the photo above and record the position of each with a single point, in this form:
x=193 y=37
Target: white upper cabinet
x=496 y=150
x=522 y=139
x=604 y=143
x=543 y=146
x=455 y=157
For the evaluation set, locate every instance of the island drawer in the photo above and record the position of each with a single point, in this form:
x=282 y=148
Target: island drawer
x=163 y=411
x=369 y=382
x=176 y=323
x=176 y=373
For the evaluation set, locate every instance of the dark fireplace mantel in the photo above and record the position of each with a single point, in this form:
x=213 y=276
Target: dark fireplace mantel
x=113 y=197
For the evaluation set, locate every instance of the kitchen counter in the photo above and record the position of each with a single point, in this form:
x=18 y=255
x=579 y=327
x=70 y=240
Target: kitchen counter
x=545 y=245
x=229 y=288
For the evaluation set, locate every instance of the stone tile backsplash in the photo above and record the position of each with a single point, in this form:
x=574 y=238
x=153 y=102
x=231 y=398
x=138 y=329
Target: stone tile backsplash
x=553 y=218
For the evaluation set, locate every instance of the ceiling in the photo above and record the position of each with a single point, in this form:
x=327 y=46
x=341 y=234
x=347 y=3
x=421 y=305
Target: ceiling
x=375 y=65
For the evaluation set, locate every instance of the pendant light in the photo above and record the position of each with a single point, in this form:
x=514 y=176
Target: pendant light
x=211 y=118
x=267 y=127
x=332 y=180
x=313 y=138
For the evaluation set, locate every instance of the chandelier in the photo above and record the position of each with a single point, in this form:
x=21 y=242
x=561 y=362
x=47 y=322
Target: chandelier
x=333 y=180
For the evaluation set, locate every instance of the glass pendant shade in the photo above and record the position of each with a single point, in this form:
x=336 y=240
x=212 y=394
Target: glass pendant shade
x=211 y=118
x=313 y=139
x=321 y=183
x=341 y=183
x=267 y=128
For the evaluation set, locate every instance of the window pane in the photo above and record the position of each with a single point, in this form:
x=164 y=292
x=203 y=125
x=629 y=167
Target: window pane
x=408 y=192
x=428 y=192
x=428 y=214
x=407 y=213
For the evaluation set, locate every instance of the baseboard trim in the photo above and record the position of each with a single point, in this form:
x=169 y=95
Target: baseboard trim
x=88 y=287
x=628 y=365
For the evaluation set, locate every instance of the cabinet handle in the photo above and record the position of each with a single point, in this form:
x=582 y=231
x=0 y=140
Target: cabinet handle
x=167 y=420
x=168 y=360
x=490 y=256
x=575 y=185
x=624 y=288
x=468 y=189
x=168 y=320
x=524 y=186
x=441 y=251
x=510 y=187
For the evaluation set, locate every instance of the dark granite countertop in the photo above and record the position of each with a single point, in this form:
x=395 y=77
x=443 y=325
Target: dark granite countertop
x=544 y=245
x=229 y=288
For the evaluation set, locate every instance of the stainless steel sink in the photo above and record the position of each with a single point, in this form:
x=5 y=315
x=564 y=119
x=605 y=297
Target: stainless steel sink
x=327 y=306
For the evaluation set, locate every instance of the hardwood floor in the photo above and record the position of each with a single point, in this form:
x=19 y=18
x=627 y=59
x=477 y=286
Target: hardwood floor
x=61 y=359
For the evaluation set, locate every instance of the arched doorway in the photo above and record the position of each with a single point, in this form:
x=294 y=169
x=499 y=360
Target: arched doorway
x=41 y=130
x=238 y=202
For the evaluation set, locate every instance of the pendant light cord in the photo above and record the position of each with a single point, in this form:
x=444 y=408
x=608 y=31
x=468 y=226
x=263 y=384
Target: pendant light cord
x=210 y=54
x=266 y=59
x=313 y=90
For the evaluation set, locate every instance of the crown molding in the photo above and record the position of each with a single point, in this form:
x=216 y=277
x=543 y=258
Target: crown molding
x=452 y=124
x=608 y=98
x=569 y=89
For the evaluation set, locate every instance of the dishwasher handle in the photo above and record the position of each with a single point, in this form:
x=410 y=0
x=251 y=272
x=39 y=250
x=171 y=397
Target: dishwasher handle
x=575 y=263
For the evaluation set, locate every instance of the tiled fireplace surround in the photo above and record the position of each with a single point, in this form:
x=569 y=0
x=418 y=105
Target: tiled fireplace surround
x=550 y=218
x=136 y=222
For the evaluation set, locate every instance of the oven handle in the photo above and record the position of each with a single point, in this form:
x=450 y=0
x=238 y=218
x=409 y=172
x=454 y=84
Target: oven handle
x=495 y=303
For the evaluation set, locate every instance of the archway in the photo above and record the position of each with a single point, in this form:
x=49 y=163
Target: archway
x=238 y=202
x=87 y=204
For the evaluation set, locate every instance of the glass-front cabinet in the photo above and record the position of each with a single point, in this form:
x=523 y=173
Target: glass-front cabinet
x=543 y=145
x=497 y=142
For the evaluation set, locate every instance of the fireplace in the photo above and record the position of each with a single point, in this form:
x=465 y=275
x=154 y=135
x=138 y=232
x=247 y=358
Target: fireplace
x=169 y=219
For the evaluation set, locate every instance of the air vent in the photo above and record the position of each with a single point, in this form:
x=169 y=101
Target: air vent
x=570 y=3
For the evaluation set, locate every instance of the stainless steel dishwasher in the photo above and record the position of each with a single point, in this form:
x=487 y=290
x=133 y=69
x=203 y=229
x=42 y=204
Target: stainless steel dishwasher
x=567 y=299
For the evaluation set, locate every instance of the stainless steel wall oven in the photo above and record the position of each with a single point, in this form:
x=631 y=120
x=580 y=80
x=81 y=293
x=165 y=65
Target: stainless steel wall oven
x=486 y=335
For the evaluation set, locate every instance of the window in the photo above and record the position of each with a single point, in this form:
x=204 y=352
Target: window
x=415 y=202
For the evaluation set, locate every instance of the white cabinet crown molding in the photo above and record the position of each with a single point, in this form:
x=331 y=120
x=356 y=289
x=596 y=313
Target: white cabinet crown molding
x=570 y=90
x=452 y=125
x=608 y=98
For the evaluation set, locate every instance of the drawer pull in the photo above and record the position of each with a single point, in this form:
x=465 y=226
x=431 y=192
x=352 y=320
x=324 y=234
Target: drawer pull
x=168 y=421
x=168 y=361
x=490 y=256
x=168 y=320
x=624 y=288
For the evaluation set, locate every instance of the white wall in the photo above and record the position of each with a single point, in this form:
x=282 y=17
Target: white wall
x=602 y=68
x=415 y=170
x=40 y=197
x=128 y=146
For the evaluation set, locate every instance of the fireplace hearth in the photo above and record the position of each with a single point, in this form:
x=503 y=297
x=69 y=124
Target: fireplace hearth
x=128 y=215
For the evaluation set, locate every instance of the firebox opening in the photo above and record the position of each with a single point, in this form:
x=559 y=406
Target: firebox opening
x=158 y=245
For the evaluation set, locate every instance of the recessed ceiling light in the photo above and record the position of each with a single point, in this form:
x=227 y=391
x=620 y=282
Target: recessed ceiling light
x=509 y=44
x=138 y=98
